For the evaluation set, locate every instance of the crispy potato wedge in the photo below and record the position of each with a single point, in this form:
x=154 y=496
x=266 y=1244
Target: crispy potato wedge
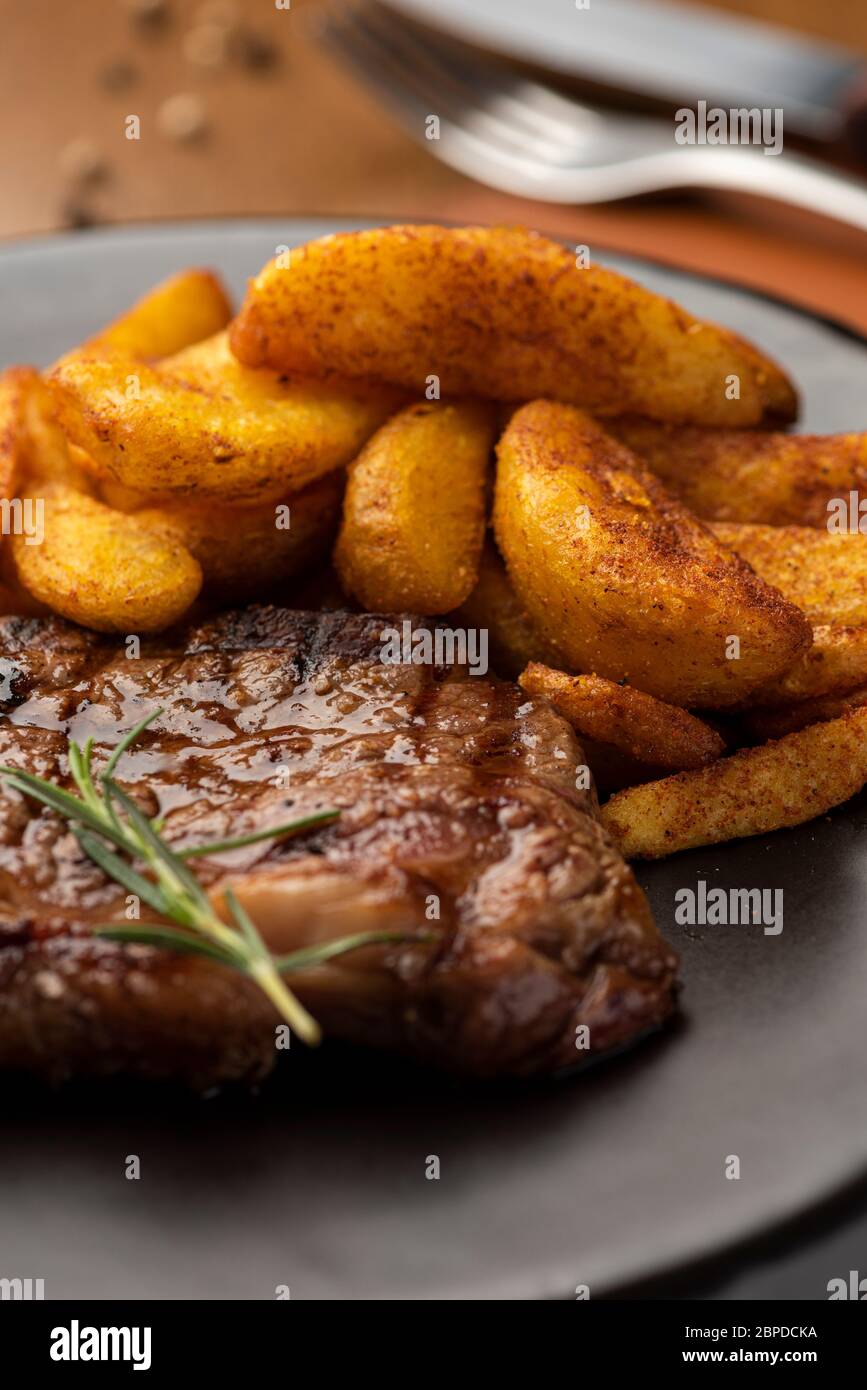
x=17 y=385
x=251 y=551
x=630 y=720
x=823 y=575
x=751 y=793
x=748 y=476
x=414 y=511
x=493 y=606
x=199 y=424
x=763 y=724
x=33 y=448
x=180 y=311
x=836 y=662
x=621 y=579
x=102 y=569
x=504 y=313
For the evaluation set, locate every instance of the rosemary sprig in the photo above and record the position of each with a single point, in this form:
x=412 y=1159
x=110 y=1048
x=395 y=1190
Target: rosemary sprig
x=115 y=834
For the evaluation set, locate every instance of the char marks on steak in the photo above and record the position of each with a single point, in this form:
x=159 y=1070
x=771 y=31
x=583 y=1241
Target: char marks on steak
x=455 y=792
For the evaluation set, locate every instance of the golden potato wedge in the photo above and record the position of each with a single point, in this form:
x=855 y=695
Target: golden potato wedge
x=248 y=552
x=631 y=720
x=503 y=313
x=621 y=579
x=181 y=310
x=823 y=575
x=836 y=662
x=102 y=569
x=17 y=385
x=199 y=424
x=414 y=511
x=33 y=448
x=763 y=724
x=754 y=791
x=748 y=476
x=493 y=606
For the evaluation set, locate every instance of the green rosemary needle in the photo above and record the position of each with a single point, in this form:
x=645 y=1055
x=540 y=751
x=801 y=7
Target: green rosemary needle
x=116 y=835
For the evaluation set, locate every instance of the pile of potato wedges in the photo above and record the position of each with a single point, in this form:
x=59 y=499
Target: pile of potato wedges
x=471 y=422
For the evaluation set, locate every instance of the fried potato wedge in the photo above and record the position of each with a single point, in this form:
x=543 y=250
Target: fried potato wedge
x=752 y=792
x=836 y=662
x=823 y=575
x=180 y=311
x=504 y=313
x=494 y=607
x=630 y=720
x=747 y=476
x=199 y=424
x=414 y=511
x=33 y=448
x=102 y=569
x=17 y=385
x=620 y=579
x=251 y=551
x=762 y=724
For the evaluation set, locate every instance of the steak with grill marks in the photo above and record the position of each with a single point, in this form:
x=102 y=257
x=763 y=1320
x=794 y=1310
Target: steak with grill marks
x=460 y=821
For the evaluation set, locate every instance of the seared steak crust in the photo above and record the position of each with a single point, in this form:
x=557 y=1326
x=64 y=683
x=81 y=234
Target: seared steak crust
x=460 y=822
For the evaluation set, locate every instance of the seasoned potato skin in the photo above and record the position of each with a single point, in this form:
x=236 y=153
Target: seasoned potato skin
x=751 y=793
x=184 y=309
x=103 y=569
x=202 y=425
x=751 y=476
x=823 y=575
x=243 y=552
x=836 y=662
x=414 y=511
x=504 y=313
x=494 y=605
x=620 y=579
x=637 y=724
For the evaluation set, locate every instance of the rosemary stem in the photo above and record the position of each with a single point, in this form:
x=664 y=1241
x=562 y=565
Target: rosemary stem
x=286 y=1003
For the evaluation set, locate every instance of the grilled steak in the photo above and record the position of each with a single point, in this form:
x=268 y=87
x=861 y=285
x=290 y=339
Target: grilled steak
x=460 y=817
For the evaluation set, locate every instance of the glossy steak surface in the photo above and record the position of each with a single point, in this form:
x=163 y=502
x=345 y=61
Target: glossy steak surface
x=461 y=825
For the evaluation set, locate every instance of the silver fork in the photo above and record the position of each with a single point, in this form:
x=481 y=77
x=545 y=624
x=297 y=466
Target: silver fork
x=524 y=138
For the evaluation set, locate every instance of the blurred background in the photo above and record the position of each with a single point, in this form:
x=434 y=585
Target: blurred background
x=243 y=110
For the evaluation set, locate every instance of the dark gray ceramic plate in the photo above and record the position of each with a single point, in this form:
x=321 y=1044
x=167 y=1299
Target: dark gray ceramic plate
x=604 y=1179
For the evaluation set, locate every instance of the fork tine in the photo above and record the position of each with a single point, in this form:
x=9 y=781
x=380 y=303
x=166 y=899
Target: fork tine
x=471 y=141
x=539 y=109
x=526 y=113
x=374 y=68
x=420 y=80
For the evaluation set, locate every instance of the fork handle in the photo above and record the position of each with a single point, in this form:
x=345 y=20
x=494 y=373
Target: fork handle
x=789 y=178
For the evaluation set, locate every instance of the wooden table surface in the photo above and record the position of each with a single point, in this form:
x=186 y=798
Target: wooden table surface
x=288 y=132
